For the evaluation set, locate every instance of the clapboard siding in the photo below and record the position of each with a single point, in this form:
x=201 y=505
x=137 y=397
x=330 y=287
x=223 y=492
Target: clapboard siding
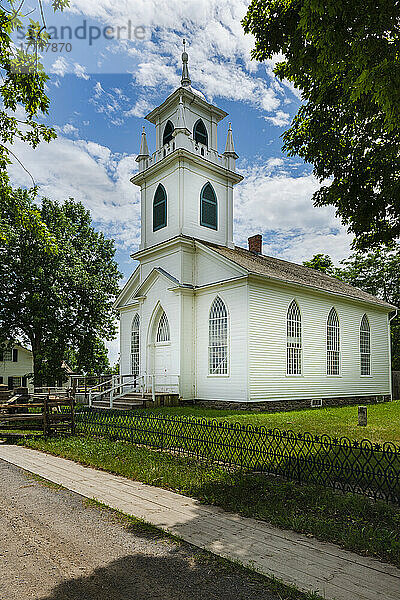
x=268 y=304
x=21 y=368
x=219 y=387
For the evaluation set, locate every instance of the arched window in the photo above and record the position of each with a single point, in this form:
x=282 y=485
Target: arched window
x=208 y=207
x=365 y=346
x=135 y=345
x=200 y=133
x=293 y=340
x=218 y=338
x=168 y=131
x=332 y=344
x=159 y=208
x=163 y=329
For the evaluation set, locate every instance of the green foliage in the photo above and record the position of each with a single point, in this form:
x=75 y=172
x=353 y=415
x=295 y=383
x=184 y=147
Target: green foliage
x=344 y=57
x=61 y=300
x=375 y=271
x=90 y=358
x=23 y=101
x=321 y=262
x=378 y=272
x=349 y=520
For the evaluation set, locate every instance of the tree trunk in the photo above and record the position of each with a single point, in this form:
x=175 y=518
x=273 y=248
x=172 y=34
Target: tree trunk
x=37 y=363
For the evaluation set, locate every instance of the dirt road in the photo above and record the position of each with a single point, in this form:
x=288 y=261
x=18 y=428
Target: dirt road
x=54 y=546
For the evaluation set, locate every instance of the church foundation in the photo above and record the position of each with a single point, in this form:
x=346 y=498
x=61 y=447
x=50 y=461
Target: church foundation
x=287 y=405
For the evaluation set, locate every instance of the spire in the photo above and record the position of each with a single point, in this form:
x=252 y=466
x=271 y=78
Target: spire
x=229 y=147
x=143 y=152
x=181 y=116
x=185 y=81
x=144 y=149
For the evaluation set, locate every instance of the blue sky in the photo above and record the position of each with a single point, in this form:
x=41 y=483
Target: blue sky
x=100 y=93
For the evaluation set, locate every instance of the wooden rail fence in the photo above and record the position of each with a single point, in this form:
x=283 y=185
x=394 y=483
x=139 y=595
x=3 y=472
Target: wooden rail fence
x=44 y=412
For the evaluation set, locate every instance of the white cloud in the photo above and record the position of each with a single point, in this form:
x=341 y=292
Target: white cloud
x=108 y=103
x=280 y=119
x=219 y=51
x=90 y=173
x=273 y=201
x=60 y=66
x=68 y=129
x=80 y=71
x=140 y=108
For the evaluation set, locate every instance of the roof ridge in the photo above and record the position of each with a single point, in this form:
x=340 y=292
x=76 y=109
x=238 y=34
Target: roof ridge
x=291 y=272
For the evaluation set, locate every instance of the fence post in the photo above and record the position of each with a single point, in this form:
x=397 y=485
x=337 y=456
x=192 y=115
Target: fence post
x=72 y=405
x=153 y=392
x=111 y=396
x=46 y=416
x=90 y=399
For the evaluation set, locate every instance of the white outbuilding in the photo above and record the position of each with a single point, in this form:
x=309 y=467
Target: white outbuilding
x=225 y=324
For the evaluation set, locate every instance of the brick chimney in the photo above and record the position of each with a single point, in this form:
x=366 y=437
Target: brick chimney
x=255 y=243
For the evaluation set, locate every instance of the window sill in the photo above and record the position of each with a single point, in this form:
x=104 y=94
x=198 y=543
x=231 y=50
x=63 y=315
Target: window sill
x=218 y=375
x=162 y=343
x=294 y=375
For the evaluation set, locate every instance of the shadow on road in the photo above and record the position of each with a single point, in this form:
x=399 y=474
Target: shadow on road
x=175 y=577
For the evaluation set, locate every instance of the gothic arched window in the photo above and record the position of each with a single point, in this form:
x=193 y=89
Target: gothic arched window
x=163 y=329
x=208 y=207
x=200 y=133
x=365 y=346
x=168 y=131
x=159 y=208
x=218 y=338
x=332 y=344
x=293 y=339
x=135 y=346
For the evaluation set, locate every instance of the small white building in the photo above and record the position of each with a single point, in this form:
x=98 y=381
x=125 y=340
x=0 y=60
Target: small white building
x=16 y=367
x=225 y=323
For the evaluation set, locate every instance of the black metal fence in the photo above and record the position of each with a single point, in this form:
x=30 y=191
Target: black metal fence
x=360 y=467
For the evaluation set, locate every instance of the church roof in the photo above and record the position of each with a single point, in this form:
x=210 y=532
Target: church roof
x=289 y=272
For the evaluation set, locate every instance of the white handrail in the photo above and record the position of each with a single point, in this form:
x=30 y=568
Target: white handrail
x=146 y=383
x=99 y=384
x=110 y=390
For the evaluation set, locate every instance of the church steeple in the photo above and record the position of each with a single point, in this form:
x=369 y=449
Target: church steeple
x=186 y=184
x=185 y=81
x=230 y=154
x=144 y=150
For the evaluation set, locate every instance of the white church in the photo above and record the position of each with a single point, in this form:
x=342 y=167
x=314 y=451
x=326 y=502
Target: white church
x=220 y=323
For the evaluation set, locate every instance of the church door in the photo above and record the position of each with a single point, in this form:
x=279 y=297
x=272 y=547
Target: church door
x=162 y=354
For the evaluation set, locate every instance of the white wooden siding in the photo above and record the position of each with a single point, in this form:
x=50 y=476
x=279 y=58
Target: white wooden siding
x=183 y=181
x=22 y=367
x=268 y=304
x=231 y=387
x=210 y=268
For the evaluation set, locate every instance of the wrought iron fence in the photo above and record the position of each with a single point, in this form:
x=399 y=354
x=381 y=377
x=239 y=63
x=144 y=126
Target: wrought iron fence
x=348 y=466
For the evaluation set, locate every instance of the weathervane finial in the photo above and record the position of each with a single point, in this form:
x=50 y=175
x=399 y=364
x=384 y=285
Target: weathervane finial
x=185 y=81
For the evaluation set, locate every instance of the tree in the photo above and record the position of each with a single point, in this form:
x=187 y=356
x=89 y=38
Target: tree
x=378 y=272
x=321 y=262
x=90 y=358
x=344 y=57
x=56 y=301
x=22 y=89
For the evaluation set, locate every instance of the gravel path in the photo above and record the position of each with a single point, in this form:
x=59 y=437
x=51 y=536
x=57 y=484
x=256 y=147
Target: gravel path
x=54 y=546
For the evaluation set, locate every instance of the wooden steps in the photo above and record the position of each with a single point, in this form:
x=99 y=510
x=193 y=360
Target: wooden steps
x=134 y=400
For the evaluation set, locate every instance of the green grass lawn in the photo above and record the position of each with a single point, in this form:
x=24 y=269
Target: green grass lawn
x=383 y=420
x=352 y=521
